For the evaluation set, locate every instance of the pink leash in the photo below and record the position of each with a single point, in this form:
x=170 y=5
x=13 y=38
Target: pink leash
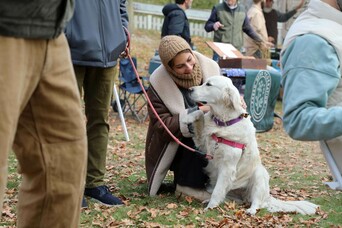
x=150 y=103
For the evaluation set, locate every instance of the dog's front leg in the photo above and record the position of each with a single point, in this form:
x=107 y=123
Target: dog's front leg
x=225 y=179
x=226 y=163
x=198 y=126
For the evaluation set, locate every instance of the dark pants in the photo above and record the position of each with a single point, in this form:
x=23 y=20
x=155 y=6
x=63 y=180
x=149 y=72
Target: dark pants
x=188 y=167
x=97 y=84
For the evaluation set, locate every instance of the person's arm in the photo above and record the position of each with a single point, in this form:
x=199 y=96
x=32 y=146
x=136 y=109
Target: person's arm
x=123 y=13
x=247 y=28
x=311 y=72
x=284 y=17
x=170 y=120
x=209 y=25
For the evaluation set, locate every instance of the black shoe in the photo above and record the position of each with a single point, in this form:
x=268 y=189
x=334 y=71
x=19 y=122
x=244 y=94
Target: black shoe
x=84 y=203
x=103 y=196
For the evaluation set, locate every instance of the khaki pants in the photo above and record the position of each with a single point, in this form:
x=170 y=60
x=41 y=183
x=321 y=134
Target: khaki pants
x=97 y=84
x=41 y=119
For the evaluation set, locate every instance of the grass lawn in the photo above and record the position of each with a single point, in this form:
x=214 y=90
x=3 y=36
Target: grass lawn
x=297 y=169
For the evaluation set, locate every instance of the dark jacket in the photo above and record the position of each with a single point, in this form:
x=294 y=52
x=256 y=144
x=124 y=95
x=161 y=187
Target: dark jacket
x=34 y=19
x=175 y=22
x=272 y=18
x=95 y=33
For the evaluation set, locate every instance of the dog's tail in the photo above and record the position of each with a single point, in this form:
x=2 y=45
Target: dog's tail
x=302 y=207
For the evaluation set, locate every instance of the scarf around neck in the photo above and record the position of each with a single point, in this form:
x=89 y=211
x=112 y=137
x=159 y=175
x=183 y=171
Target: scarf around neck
x=187 y=80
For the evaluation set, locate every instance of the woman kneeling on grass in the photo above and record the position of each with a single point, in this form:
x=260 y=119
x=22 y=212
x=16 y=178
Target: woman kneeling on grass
x=181 y=69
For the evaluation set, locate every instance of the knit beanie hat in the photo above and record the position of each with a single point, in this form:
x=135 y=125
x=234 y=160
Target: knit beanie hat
x=169 y=47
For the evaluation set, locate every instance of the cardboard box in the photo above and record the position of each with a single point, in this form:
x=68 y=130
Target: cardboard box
x=243 y=63
x=230 y=57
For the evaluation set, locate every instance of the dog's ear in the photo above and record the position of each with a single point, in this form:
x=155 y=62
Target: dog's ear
x=232 y=99
x=227 y=99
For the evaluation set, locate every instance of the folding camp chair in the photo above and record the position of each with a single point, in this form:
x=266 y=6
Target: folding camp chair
x=155 y=62
x=118 y=108
x=134 y=100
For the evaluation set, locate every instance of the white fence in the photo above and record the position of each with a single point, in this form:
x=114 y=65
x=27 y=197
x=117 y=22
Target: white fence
x=147 y=16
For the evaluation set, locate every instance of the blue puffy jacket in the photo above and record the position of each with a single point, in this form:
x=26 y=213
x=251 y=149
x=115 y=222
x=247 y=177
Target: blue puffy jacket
x=95 y=33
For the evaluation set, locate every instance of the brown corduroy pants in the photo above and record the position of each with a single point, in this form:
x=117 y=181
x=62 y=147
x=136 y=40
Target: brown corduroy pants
x=41 y=120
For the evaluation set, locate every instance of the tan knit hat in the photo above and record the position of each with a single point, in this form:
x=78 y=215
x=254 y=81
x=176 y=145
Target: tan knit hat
x=169 y=47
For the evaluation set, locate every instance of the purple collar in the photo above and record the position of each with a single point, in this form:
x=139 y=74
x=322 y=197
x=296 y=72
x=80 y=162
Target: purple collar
x=229 y=122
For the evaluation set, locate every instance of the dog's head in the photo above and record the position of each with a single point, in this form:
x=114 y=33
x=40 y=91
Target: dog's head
x=220 y=94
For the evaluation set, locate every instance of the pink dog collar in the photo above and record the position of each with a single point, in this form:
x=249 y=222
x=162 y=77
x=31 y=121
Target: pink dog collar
x=228 y=142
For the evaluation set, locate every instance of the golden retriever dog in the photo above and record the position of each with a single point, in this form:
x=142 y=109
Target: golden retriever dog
x=227 y=134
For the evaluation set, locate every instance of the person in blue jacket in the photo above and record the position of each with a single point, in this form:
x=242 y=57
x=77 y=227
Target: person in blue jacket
x=96 y=38
x=311 y=62
x=175 y=20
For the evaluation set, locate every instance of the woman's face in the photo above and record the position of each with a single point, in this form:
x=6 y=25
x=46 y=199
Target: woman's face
x=184 y=63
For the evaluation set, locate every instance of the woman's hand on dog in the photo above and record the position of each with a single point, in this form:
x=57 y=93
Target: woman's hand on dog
x=243 y=103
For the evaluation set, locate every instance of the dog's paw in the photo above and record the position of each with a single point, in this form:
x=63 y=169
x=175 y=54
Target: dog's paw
x=193 y=116
x=251 y=211
x=205 y=201
x=211 y=205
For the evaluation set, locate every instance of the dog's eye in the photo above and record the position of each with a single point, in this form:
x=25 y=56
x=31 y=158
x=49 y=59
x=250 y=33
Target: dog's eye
x=208 y=84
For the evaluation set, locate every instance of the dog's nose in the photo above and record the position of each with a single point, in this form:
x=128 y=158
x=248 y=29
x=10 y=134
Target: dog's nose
x=191 y=89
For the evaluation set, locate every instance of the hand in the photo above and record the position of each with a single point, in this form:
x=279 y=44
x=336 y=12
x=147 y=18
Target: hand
x=265 y=45
x=217 y=25
x=271 y=39
x=243 y=103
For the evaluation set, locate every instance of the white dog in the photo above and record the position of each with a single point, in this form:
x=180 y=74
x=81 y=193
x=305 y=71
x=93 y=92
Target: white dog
x=227 y=134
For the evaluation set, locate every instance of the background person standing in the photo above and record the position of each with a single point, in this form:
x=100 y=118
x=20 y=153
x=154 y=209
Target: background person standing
x=96 y=37
x=257 y=21
x=273 y=16
x=175 y=20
